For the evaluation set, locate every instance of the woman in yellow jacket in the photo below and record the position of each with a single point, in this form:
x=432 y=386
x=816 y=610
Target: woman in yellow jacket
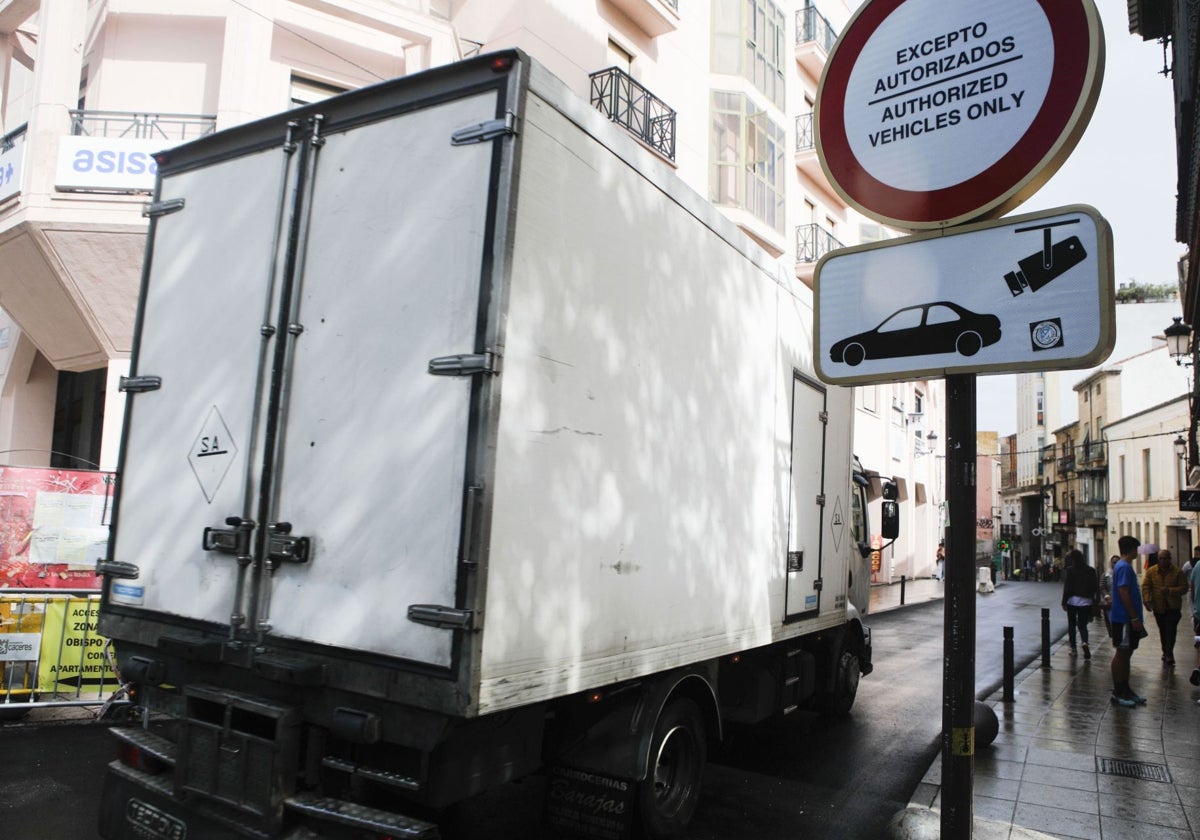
x=1163 y=588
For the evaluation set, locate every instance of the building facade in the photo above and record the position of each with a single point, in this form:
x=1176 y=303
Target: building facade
x=1147 y=474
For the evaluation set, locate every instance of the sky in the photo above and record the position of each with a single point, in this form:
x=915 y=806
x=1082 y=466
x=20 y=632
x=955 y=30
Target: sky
x=1124 y=166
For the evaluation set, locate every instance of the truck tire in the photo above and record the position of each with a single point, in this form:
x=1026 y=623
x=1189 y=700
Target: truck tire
x=668 y=796
x=847 y=667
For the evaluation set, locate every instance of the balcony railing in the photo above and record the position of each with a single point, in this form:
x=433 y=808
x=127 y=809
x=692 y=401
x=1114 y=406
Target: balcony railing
x=1066 y=464
x=812 y=26
x=1091 y=453
x=1090 y=511
x=616 y=95
x=131 y=125
x=806 y=138
x=814 y=242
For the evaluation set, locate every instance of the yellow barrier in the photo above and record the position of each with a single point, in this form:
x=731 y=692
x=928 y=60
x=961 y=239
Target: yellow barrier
x=50 y=652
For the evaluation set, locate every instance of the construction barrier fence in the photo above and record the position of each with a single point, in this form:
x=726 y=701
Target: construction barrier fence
x=50 y=651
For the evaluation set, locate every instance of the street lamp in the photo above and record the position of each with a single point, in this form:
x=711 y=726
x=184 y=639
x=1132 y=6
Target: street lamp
x=1185 y=352
x=1180 y=447
x=1177 y=341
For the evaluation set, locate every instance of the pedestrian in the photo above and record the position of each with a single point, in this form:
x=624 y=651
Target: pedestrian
x=1126 y=622
x=1194 y=679
x=1188 y=571
x=1106 y=594
x=941 y=560
x=1163 y=587
x=1081 y=592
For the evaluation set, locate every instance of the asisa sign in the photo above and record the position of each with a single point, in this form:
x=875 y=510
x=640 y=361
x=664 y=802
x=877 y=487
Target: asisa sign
x=108 y=164
x=932 y=113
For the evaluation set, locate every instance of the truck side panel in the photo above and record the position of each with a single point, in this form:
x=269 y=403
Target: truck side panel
x=637 y=519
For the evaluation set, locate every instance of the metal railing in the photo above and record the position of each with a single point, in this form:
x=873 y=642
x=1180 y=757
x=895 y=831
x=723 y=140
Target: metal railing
x=132 y=125
x=50 y=652
x=1066 y=464
x=616 y=95
x=812 y=26
x=1093 y=511
x=1092 y=452
x=814 y=242
x=806 y=138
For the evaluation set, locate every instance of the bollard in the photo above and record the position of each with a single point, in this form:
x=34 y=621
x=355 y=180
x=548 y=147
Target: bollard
x=1045 y=637
x=1009 y=670
x=902 y=590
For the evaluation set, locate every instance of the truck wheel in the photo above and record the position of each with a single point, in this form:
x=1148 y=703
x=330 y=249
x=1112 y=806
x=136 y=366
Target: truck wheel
x=667 y=798
x=838 y=701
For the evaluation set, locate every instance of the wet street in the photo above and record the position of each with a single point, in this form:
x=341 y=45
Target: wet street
x=802 y=776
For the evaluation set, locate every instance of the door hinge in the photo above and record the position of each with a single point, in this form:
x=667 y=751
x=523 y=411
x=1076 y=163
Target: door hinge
x=818 y=584
x=115 y=569
x=487 y=130
x=823 y=416
x=820 y=500
x=446 y=618
x=138 y=384
x=162 y=208
x=464 y=364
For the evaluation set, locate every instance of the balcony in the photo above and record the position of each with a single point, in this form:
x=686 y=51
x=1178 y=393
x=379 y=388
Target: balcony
x=1092 y=455
x=1066 y=464
x=654 y=17
x=814 y=40
x=807 y=160
x=169 y=129
x=616 y=95
x=112 y=152
x=812 y=243
x=1091 y=513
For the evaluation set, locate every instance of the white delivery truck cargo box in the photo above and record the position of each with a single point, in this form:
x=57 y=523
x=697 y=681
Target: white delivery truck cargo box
x=449 y=392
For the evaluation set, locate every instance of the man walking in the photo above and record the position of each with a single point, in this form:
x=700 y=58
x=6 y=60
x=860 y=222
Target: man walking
x=1163 y=588
x=1126 y=622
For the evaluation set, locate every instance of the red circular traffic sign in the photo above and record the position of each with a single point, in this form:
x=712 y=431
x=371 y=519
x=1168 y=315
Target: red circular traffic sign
x=931 y=113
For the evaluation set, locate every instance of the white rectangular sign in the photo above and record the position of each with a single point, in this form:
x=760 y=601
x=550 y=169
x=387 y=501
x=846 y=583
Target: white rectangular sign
x=1031 y=292
x=109 y=164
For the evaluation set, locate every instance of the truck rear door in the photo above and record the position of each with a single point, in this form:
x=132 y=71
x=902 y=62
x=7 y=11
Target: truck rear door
x=299 y=472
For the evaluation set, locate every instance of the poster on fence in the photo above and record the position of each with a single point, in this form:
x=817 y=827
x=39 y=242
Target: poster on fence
x=72 y=654
x=53 y=526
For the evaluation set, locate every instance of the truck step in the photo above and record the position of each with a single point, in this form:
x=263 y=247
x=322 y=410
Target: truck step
x=361 y=817
x=148 y=742
x=384 y=777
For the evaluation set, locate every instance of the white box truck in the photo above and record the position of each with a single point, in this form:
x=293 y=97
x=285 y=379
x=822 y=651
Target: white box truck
x=463 y=442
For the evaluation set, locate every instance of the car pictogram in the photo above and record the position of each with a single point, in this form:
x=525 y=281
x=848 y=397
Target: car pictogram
x=937 y=327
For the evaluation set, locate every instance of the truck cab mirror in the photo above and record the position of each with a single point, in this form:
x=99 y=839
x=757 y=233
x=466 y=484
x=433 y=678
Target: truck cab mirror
x=889 y=526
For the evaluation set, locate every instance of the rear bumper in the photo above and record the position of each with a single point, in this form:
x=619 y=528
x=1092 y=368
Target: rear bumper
x=139 y=806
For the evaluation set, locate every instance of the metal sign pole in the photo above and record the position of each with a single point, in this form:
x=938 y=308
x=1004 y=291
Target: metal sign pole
x=958 y=665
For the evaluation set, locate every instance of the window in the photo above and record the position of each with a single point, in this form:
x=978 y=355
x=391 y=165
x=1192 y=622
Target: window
x=306 y=91
x=620 y=57
x=1121 y=477
x=868 y=398
x=748 y=168
x=1145 y=473
x=748 y=39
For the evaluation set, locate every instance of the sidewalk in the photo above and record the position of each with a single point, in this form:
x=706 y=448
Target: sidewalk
x=886 y=596
x=1068 y=764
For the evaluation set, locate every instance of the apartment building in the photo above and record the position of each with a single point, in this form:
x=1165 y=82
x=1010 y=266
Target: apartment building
x=721 y=91
x=1148 y=469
